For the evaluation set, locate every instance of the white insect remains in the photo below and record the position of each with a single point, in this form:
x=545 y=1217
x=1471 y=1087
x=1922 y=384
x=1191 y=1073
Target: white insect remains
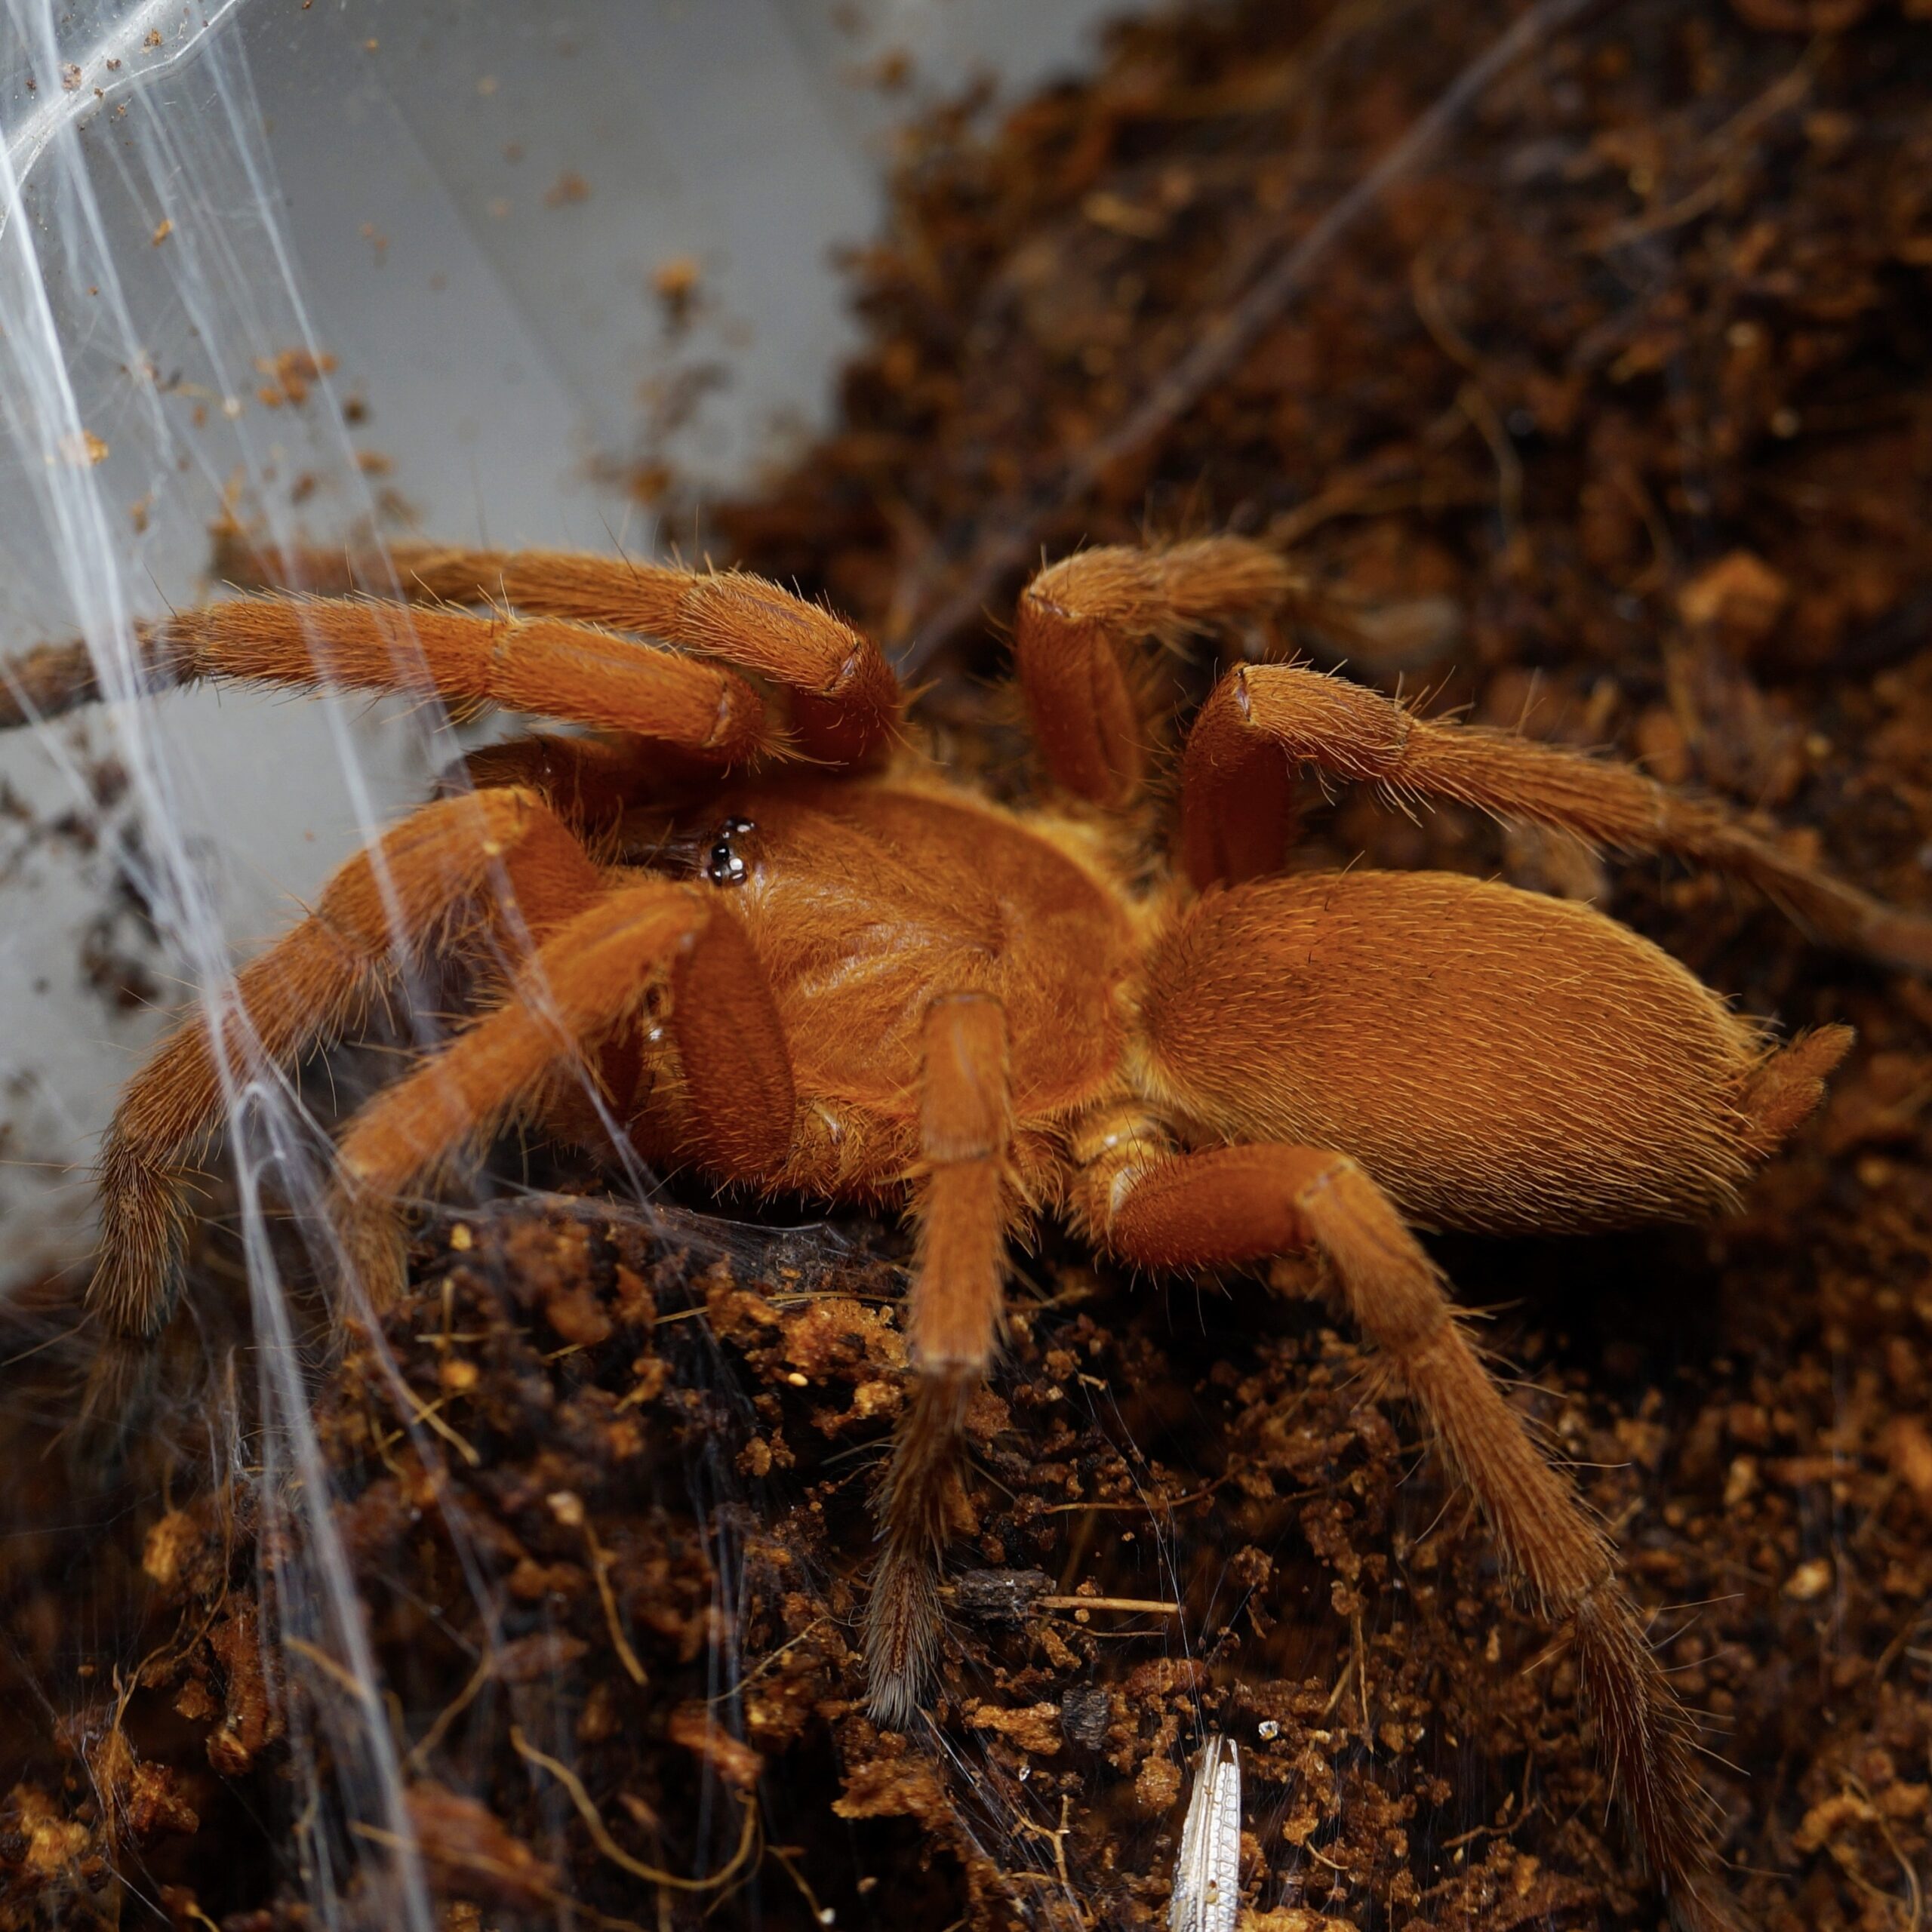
x=1207 y=1894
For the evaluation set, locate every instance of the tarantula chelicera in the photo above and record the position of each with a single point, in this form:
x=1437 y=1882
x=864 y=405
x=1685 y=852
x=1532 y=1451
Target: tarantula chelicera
x=781 y=947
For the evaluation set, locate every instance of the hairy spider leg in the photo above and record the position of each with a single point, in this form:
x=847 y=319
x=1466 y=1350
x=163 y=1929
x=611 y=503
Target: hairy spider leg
x=542 y=665
x=584 y=982
x=1077 y=639
x=844 y=701
x=392 y=902
x=964 y=1208
x=1262 y=722
x=1235 y=1205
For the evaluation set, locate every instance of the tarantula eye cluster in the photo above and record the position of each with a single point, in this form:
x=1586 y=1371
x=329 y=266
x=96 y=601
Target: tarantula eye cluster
x=724 y=863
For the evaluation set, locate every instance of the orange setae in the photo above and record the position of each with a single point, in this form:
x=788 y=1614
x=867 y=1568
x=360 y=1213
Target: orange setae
x=777 y=945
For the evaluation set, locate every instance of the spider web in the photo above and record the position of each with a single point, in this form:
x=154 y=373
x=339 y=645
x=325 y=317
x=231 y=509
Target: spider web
x=132 y=383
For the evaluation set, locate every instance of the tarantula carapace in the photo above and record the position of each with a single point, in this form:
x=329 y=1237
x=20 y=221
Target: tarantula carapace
x=744 y=919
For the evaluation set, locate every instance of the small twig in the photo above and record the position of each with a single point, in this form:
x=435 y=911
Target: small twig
x=1914 y=1894
x=763 y=1664
x=419 y=1754
x=339 y=1674
x=468 y=1861
x=1484 y=1831
x=1473 y=401
x=1901 y=1644
x=1341 y=1686
x=567 y=1508
x=1142 y=1505
x=1135 y=1606
x=620 y=1642
x=783 y=1853
x=1059 y=1838
x=1783 y=94
x=1366 y=498
x=426 y=1412
x=1360 y=1659
x=601 y=1837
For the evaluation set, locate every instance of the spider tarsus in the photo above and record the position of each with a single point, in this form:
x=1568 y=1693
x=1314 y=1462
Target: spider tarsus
x=371 y=1251
x=904 y=1621
x=1648 y=1743
x=1836 y=913
x=903 y=1626
x=115 y=1401
x=143 y=1238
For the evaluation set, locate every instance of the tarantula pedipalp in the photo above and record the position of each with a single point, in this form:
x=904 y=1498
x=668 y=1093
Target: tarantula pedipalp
x=784 y=949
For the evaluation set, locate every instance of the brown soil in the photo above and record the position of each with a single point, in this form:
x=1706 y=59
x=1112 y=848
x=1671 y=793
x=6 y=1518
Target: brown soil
x=1633 y=380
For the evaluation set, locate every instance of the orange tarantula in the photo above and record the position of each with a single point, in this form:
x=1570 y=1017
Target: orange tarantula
x=782 y=948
